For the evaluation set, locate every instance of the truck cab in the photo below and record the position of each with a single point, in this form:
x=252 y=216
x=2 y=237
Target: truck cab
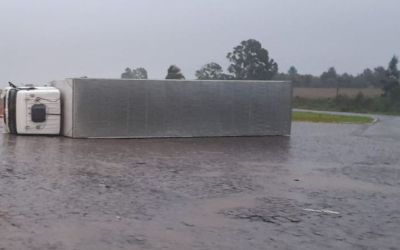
x=32 y=110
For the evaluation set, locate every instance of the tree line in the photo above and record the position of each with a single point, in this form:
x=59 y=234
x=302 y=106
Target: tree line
x=250 y=61
x=330 y=78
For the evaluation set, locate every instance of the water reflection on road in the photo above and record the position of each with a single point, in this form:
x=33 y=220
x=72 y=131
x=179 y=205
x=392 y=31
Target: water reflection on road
x=204 y=193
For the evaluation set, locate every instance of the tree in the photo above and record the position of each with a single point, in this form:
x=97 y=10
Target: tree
x=345 y=80
x=212 y=71
x=391 y=81
x=138 y=73
x=292 y=71
x=174 y=73
x=250 y=61
x=330 y=77
x=127 y=74
x=366 y=78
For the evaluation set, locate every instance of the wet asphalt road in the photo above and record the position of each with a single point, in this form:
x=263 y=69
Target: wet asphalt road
x=326 y=187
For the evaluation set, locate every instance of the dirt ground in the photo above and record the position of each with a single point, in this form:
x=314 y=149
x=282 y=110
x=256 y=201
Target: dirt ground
x=325 y=187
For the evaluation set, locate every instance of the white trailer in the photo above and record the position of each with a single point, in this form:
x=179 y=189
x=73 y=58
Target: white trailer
x=116 y=108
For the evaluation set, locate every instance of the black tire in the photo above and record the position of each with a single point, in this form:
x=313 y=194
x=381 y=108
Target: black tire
x=12 y=105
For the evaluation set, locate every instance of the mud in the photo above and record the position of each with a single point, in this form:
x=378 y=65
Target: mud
x=211 y=193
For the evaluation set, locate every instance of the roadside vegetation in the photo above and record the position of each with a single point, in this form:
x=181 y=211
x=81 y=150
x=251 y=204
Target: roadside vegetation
x=358 y=104
x=330 y=118
x=387 y=103
x=250 y=61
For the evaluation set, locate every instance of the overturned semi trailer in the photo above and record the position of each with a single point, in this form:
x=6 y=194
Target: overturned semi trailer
x=114 y=108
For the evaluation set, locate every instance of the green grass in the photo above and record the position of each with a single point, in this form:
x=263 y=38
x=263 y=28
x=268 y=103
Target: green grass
x=359 y=104
x=330 y=118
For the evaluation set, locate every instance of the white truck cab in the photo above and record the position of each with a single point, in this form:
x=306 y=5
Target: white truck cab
x=32 y=110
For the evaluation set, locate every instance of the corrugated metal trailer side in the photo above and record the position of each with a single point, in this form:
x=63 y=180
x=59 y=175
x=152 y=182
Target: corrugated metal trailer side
x=115 y=108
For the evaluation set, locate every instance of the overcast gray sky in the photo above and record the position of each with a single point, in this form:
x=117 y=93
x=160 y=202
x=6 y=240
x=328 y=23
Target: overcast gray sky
x=43 y=40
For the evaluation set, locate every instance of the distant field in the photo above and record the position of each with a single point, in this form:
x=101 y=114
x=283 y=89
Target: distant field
x=317 y=93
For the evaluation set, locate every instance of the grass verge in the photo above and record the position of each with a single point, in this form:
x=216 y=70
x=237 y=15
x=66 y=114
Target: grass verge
x=330 y=118
x=358 y=104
